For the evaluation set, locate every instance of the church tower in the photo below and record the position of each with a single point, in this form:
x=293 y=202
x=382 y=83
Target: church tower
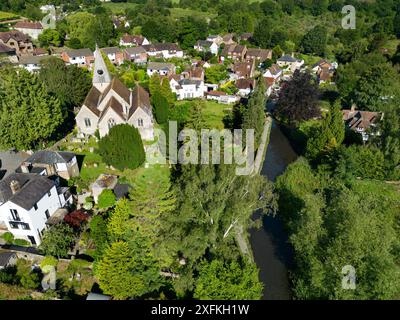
x=101 y=76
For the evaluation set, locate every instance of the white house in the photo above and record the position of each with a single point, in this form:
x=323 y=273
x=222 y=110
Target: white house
x=206 y=46
x=274 y=72
x=217 y=39
x=162 y=68
x=164 y=50
x=290 y=62
x=188 y=88
x=31 y=63
x=32 y=29
x=128 y=40
x=80 y=57
x=222 y=97
x=114 y=54
x=27 y=202
x=109 y=103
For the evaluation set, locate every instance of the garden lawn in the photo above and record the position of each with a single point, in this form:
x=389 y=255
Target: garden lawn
x=214 y=114
x=7 y=16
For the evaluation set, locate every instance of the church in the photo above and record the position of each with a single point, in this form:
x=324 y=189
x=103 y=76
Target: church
x=109 y=103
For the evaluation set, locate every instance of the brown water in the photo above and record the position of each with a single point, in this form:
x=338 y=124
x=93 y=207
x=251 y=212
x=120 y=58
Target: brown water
x=272 y=253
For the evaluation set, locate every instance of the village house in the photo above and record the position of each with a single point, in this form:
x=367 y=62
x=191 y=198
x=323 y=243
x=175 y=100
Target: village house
x=48 y=163
x=289 y=62
x=222 y=97
x=206 y=46
x=79 y=57
x=27 y=202
x=189 y=89
x=245 y=86
x=32 y=29
x=362 y=122
x=162 y=68
x=259 y=55
x=244 y=70
x=133 y=40
x=114 y=54
x=31 y=63
x=40 y=52
x=247 y=36
x=228 y=39
x=109 y=103
x=18 y=41
x=194 y=73
x=274 y=73
x=136 y=54
x=164 y=50
x=324 y=70
x=236 y=52
x=215 y=39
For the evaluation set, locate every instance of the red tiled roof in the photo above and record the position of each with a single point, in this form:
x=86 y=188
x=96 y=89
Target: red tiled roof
x=28 y=25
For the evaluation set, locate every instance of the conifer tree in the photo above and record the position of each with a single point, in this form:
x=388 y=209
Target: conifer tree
x=29 y=116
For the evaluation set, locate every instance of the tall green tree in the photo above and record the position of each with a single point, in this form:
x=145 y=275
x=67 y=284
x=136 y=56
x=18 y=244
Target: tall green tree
x=122 y=147
x=227 y=281
x=29 y=116
x=328 y=136
x=161 y=107
x=315 y=40
x=254 y=115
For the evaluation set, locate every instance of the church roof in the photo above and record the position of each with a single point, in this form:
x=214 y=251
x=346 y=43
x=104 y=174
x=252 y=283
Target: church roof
x=92 y=100
x=140 y=98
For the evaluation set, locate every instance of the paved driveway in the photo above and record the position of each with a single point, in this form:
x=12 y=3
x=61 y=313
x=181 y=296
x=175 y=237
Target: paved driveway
x=9 y=161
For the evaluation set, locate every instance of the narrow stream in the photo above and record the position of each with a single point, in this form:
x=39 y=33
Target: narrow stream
x=272 y=253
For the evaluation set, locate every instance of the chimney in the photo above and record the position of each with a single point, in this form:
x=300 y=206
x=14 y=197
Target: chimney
x=25 y=167
x=14 y=186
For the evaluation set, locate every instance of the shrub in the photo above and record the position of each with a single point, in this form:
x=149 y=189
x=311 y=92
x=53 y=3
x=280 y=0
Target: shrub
x=106 y=199
x=76 y=218
x=8 y=237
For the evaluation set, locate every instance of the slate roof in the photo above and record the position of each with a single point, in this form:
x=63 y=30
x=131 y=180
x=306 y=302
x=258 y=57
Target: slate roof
x=204 y=43
x=33 y=188
x=5 y=258
x=160 y=66
x=14 y=34
x=6 y=49
x=92 y=100
x=287 y=58
x=184 y=82
x=135 y=50
x=50 y=157
x=155 y=47
x=85 y=52
x=111 y=50
x=31 y=59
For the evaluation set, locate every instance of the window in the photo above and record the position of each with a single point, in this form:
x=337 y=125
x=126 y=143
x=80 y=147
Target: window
x=15 y=215
x=47 y=214
x=111 y=123
x=25 y=226
x=14 y=225
x=32 y=240
x=140 y=122
x=88 y=123
x=35 y=206
x=49 y=193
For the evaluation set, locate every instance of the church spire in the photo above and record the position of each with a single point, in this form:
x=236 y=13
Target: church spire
x=101 y=76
